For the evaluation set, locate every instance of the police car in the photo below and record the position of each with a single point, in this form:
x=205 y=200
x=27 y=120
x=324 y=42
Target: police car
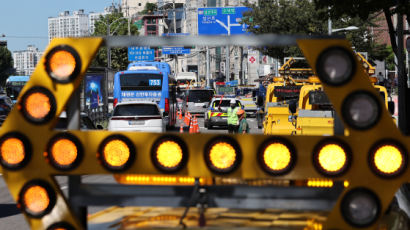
x=216 y=115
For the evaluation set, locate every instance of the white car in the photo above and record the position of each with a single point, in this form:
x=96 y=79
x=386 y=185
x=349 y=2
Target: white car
x=137 y=116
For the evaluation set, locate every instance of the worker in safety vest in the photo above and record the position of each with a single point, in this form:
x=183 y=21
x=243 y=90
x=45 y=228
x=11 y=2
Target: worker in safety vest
x=233 y=121
x=243 y=124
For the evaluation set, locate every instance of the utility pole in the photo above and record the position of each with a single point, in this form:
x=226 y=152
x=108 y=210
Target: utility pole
x=241 y=76
x=228 y=64
x=402 y=78
x=329 y=24
x=175 y=31
x=208 y=71
x=108 y=48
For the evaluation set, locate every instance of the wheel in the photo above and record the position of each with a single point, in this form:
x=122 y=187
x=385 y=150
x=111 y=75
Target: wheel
x=209 y=126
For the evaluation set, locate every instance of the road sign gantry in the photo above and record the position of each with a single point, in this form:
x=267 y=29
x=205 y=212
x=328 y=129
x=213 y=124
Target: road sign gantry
x=373 y=158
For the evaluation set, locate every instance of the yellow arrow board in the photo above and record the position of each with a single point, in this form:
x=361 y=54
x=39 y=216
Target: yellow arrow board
x=373 y=158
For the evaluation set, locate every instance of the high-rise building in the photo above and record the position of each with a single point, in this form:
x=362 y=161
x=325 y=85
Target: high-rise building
x=93 y=17
x=66 y=25
x=26 y=60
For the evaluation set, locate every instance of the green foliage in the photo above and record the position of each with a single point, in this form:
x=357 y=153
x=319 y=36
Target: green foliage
x=149 y=8
x=359 y=8
x=118 y=26
x=390 y=64
x=302 y=17
x=6 y=65
x=283 y=17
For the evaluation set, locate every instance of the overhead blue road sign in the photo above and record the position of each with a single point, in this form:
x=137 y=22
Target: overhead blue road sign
x=221 y=20
x=174 y=34
x=175 y=50
x=140 y=53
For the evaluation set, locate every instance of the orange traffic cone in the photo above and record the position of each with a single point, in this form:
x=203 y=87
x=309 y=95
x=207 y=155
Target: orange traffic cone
x=196 y=126
x=180 y=114
x=191 y=127
x=181 y=128
x=187 y=118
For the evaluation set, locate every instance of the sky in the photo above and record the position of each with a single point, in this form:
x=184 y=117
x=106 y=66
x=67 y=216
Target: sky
x=25 y=22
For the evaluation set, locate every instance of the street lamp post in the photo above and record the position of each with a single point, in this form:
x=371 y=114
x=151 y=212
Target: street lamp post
x=349 y=28
x=109 y=34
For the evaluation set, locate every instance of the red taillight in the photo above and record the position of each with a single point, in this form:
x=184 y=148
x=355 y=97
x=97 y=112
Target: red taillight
x=166 y=105
x=115 y=101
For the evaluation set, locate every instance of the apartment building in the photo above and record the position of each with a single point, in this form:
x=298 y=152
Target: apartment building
x=26 y=60
x=68 y=25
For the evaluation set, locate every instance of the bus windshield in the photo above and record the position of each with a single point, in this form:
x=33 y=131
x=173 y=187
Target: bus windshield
x=13 y=91
x=141 y=81
x=14 y=84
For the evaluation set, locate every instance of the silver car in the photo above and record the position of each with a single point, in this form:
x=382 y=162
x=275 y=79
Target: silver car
x=197 y=101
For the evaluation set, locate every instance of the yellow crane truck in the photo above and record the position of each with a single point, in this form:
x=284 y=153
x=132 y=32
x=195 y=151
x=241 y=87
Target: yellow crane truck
x=281 y=93
x=312 y=113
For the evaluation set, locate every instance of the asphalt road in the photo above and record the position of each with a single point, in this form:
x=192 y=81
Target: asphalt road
x=222 y=130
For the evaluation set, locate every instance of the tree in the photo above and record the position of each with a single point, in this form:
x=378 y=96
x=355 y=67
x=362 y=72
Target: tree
x=6 y=64
x=149 y=8
x=118 y=26
x=366 y=9
x=302 y=17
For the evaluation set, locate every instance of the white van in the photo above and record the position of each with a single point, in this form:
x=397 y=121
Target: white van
x=185 y=79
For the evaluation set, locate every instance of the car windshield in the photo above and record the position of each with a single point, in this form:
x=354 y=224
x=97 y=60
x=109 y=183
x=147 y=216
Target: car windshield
x=200 y=95
x=136 y=110
x=224 y=103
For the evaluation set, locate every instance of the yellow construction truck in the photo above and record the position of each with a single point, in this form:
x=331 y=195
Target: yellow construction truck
x=315 y=113
x=282 y=92
x=300 y=106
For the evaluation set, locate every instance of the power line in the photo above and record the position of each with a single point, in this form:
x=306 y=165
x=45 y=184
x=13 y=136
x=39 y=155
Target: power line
x=23 y=36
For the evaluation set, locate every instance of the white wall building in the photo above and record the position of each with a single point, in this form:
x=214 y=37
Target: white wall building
x=66 y=25
x=131 y=7
x=26 y=60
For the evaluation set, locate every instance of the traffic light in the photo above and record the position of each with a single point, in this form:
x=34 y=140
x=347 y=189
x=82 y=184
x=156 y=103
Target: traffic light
x=372 y=160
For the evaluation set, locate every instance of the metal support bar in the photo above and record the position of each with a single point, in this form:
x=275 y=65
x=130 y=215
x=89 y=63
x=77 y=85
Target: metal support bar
x=208 y=69
x=242 y=197
x=237 y=40
x=338 y=128
x=73 y=117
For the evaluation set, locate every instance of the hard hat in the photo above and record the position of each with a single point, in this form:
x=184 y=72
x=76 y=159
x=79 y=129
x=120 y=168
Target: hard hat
x=233 y=101
x=240 y=112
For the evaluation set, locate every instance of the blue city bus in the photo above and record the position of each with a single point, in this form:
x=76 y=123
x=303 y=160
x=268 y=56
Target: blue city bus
x=148 y=83
x=14 y=84
x=162 y=66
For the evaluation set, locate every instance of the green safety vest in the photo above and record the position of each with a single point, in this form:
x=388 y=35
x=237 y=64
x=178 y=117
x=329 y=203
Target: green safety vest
x=232 y=116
